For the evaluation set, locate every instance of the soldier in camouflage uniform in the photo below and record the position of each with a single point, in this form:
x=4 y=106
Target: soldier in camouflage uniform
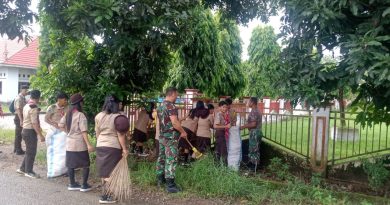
x=255 y=134
x=170 y=131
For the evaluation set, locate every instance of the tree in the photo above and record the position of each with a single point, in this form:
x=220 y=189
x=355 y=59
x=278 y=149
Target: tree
x=200 y=63
x=358 y=28
x=263 y=65
x=14 y=17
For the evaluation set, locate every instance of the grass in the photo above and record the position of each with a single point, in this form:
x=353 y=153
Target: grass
x=7 y=135
x=295 y=133
x=209 y=180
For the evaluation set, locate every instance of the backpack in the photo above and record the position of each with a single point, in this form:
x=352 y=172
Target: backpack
x=12 y=107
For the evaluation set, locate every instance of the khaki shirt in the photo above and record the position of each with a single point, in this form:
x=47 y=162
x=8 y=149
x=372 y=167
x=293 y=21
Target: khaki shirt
x=190 y=124
x=20 y=102
x=219 y=119
x=143 y=121
x=107 y=135
x=30 y=116
x=204 y=126
x=75 y=140
x=155 y=116
x=55 y=113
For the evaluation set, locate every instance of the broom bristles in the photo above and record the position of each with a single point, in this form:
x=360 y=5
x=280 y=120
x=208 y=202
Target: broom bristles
x=118 y=184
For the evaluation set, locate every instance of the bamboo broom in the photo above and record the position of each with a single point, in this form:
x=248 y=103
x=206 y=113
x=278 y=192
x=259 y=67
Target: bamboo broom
x=118 y=184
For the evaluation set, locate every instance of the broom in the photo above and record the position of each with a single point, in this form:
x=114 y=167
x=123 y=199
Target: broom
x=118 y=184
x=198 y=154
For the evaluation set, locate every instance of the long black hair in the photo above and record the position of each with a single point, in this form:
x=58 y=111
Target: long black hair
x=111 y=104
x=69 y=115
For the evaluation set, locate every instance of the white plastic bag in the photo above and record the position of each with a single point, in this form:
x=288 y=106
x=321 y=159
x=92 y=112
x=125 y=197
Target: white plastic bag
x=234 y=148
x=56 y=153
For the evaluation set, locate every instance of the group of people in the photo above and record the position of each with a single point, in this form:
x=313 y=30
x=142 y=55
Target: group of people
x=111 y=128
x=175 y=136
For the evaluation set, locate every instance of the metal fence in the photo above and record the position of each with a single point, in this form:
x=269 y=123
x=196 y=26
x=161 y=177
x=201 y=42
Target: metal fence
x=349 y=140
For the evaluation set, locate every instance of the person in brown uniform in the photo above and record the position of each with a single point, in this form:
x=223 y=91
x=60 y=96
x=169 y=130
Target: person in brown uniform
x=145 y=118
x=111 y=128
x=75 y=125
x=189 y=124
x=19 y=104
x=56 y=111
x=203 y=132
x=221 y=124
x=31 y=129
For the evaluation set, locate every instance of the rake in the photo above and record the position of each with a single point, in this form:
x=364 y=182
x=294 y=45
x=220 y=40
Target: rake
x=198 y=154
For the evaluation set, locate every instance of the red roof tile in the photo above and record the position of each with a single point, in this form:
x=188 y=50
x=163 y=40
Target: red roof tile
x=27 y=57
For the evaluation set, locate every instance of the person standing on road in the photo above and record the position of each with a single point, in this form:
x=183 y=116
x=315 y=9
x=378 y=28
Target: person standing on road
x=31 y=129
x=254 y=125
x=111 y=128
x=77 y=143
x=170 y=131
x=55 y=138
x=19 y=104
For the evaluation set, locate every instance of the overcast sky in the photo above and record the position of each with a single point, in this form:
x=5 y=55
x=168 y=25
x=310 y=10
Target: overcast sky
x=245 y=31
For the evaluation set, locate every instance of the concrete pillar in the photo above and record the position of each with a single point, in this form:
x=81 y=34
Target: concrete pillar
x=319 y=143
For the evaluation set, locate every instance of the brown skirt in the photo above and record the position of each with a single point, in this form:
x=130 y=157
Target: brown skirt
x=203 y=144
x=191 y=136
x=77 y=159
x=139 y=136
x=106 y=160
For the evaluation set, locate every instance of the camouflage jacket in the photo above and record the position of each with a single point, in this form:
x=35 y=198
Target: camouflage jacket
x=164 y=111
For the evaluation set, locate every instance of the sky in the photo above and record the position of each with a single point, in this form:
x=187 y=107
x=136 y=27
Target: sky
x=245 y=31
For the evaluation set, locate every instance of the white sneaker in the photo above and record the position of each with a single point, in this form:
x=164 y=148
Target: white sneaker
x=143 y=154
x=32 y=175
x=19 y=171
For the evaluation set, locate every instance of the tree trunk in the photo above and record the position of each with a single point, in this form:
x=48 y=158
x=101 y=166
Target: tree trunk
x=342 y=106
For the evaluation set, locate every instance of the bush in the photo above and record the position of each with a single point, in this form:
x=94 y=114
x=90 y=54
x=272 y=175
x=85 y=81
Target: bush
x=279 y=169
x=376 y=172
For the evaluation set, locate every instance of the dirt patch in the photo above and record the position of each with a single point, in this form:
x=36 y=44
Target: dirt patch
x=152 y=196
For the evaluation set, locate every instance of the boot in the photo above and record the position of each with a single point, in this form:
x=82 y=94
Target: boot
x=160 y=180
x=171 y=186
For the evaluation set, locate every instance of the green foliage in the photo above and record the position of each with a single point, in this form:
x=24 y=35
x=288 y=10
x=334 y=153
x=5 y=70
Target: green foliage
x=377 y=173
x=14 y=18
x=316 y=180
x=279 y=169
x=210 y=57
x=358 y=29
x=243 y=11
x=262 y=70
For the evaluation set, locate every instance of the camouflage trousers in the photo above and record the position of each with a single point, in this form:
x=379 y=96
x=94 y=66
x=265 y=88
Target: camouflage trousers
x=254 y=145
x=167 y=157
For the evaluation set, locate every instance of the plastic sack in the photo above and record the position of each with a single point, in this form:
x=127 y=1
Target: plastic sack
x=234 y=148
x=56 y=153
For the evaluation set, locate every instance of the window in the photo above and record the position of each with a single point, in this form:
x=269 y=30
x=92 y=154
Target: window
x=1 y=87
x=28 y=76
x=24 y=75
x=19 y=75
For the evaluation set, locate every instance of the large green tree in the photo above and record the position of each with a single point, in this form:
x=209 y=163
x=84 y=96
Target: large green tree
x=263 y=67
x=210 y=58
x=359 y=29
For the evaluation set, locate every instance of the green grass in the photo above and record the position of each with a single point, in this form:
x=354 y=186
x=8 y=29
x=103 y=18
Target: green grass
x=209 y=180
x=7 y=135
x=293 y=133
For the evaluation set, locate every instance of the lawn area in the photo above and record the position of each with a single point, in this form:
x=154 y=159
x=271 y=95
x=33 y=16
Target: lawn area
x=7 y=135
x=207 y=179
x=295 y=133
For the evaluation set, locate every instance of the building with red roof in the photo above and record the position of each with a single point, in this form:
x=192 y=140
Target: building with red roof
x=18 y=63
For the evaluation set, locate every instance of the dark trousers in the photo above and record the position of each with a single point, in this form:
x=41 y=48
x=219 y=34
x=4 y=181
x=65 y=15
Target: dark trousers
x=18 y=135
x=220 y=146
x=31 y=140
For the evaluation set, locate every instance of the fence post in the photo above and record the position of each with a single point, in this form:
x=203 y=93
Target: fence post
x=319 y=144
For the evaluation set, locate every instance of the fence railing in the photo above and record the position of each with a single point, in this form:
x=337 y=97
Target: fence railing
x=349 y=140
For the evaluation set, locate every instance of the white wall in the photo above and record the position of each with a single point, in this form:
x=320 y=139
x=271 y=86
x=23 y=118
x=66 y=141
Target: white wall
x=11 y=81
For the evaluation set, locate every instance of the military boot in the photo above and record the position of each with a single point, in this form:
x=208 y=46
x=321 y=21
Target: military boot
x=160 y=180
x=172 y=187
